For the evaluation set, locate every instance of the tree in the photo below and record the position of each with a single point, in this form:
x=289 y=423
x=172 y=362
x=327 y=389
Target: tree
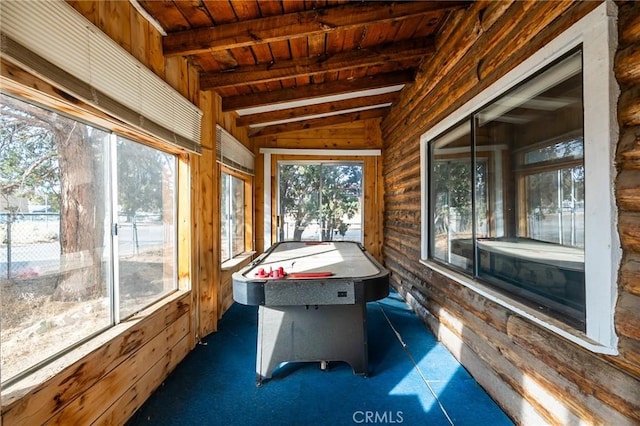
x=44 y=151
x=140 y=177
x=341 y=191
x=299 y=185
x=323 y=193
x=28 y=158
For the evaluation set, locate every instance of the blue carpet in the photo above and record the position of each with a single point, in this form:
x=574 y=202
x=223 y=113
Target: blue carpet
x=413 y=380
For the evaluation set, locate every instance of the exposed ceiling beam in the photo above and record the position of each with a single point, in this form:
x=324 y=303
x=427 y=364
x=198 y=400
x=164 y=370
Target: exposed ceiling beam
x=317 y=109
x=293 y=25
x=316 y=90
x=321 y=122
x=379 y=55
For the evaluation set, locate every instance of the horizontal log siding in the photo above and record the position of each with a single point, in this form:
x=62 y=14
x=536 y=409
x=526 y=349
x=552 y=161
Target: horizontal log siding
x=515 y=360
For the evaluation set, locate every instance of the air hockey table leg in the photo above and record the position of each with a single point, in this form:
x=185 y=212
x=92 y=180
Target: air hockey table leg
x=311 y=334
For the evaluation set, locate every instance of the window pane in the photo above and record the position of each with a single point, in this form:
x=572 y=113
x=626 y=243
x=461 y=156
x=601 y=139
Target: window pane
x=225 y=221
x=146 y=228
x=54 y=234
x=237 y=218
x=341 y=197
x=451 y=207
x=299 y=202
x=320 y=202
x=530 y=196
x=555 y=206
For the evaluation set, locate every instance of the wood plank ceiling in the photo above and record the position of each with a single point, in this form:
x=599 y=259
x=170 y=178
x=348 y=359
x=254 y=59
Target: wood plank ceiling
x=286 y=65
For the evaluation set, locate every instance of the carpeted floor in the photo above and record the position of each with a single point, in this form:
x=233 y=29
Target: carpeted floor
x=413 y=380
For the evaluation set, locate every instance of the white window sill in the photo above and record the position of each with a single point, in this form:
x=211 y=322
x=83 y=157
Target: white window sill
x=523 y=310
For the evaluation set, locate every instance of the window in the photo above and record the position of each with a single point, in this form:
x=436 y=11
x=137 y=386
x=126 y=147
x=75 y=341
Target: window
x=146 y=194
x=507 y=191
x=234 y=214
x=88 y=235
x=320 y=201
x=517 y=188
x=236 y=200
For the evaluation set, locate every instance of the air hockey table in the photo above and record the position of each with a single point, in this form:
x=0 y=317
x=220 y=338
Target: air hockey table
x=312 y=299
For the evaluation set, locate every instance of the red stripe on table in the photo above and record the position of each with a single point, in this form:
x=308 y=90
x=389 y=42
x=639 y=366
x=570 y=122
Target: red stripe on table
x=295 y=275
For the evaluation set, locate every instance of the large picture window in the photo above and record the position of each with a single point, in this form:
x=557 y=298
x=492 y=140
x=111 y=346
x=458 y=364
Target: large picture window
x=517 y=200
x=87 y=232
x=507 y=188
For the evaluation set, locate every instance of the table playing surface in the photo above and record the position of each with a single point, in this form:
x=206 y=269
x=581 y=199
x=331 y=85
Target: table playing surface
x=303 y=260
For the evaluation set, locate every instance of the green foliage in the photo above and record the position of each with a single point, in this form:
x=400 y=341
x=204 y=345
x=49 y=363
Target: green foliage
x=28 y=156
x=324 y=193
x=141 y=172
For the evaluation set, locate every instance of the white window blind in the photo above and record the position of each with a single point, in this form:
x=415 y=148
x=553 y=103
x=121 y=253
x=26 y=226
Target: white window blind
x=233 y=153
x=55 y=42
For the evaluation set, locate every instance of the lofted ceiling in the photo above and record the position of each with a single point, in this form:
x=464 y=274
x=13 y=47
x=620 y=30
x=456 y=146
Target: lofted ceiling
x=287 y=65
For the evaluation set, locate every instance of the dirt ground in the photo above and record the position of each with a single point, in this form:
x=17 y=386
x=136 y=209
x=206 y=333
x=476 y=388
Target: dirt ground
x=36 y=327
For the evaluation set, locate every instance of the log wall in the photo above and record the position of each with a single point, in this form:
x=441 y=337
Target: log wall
x=535 y=375
x=106 y=380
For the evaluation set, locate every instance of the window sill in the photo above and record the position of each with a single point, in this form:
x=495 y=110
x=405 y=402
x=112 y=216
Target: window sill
x=523 y=310
x=238 y=261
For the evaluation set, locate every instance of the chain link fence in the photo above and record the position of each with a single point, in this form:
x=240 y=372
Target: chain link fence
x=29 y=244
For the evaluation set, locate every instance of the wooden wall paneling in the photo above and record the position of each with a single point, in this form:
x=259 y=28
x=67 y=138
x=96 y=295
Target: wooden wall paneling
x=225 y=295
x=88 y=9
x=155 y=59
x=374 y=224
x=186 y=242
x=104 y=393
x=629 y=107
x=458 y=43
x=214 y=205
x=208 y=221
x=629 y=273
x=628 y=23
x=259 y=212
x=139 y=36
x=225 y=299
x=370 y=196
x=627 y=188
x=114 y=19
x=356 y=135
x=135 y=396
x=176 y=74
x=196 y=245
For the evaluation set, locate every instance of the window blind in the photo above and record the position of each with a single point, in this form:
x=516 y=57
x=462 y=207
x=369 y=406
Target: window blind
x=232 y=153
x=55 y=42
